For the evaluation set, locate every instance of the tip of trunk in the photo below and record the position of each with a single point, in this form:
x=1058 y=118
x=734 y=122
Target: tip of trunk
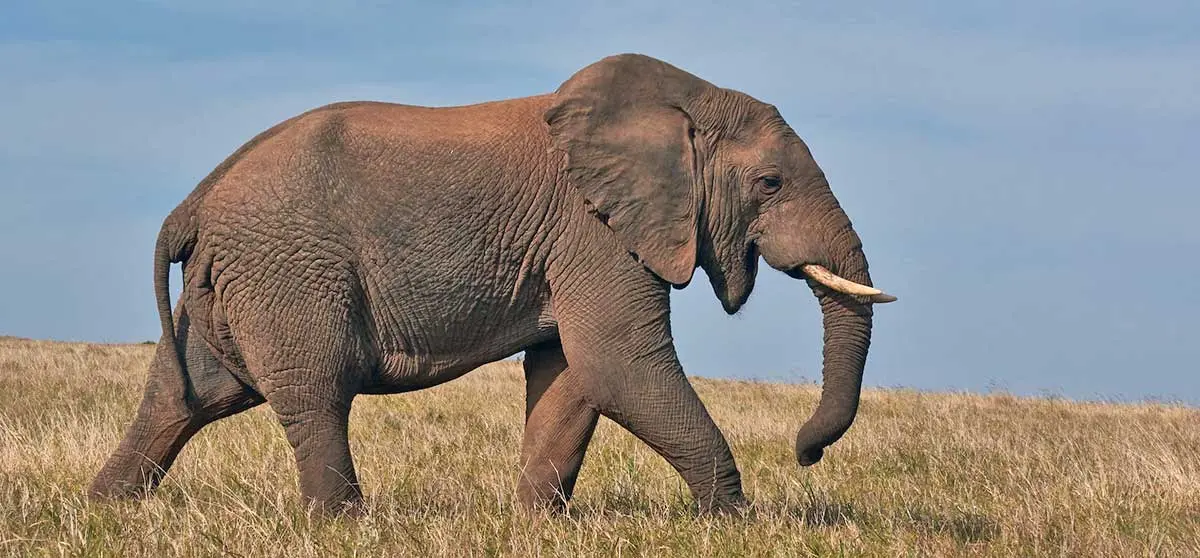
x=825 y=427
x=809 y=456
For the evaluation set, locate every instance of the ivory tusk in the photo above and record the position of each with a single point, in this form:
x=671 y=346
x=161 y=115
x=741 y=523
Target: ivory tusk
x=825 y=277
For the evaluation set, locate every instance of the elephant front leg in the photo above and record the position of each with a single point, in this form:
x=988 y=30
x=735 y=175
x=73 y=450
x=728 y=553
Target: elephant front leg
x=624 y=356
x=660 y=407
x=558 y=426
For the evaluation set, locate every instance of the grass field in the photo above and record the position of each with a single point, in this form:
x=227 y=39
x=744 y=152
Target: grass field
x=920 y=474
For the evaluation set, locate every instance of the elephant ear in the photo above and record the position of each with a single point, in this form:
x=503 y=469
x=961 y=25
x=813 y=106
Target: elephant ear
x=629 y=140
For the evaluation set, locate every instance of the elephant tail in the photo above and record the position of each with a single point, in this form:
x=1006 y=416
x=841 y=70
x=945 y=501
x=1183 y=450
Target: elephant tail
x=175 y=241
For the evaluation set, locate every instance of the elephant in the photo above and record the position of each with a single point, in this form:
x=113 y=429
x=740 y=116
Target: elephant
x=378 y=248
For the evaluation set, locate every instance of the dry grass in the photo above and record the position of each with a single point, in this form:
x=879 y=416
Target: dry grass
x=920 y=474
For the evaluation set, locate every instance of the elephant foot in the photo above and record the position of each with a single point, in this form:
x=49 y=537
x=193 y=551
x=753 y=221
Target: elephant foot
x=107 y=491
x=730 y=506
x=137 y=467
x=121 y=480
x=353 y=507
x=548 y=500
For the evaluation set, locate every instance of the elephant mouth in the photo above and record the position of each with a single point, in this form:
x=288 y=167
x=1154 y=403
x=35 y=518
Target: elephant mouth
x=822 y=275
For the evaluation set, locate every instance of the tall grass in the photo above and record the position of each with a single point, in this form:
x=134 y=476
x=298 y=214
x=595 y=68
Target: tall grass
x=919 y=474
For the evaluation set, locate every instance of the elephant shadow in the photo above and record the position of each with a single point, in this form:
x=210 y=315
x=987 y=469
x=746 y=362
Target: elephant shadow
x=820 y=512
x=963 y=526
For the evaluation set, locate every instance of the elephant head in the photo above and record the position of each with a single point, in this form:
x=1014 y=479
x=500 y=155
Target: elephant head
x=688 y=174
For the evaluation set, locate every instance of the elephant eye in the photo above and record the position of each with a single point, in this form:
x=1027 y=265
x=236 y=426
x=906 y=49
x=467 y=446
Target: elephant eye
x=770 y=184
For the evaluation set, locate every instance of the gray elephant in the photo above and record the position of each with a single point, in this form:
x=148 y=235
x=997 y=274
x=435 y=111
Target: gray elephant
x=380 y=248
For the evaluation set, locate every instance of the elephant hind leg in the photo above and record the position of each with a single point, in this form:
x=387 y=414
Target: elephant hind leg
x=317 y=429
x=165 y=422
x=308 y=362
x=558 y=427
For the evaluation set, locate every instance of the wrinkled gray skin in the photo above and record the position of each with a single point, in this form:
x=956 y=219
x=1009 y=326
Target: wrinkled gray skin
x=380 y=248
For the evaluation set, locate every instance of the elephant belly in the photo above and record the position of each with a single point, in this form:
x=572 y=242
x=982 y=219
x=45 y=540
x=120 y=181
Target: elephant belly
x=400 y=373
x=402 y=370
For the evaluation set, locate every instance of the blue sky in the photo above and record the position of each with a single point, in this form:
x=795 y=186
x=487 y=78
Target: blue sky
x=1023 y=175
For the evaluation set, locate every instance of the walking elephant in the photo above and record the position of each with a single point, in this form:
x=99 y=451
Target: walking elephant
x=376 y=248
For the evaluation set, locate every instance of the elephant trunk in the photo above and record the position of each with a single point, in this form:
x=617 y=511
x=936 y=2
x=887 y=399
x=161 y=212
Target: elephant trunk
x=847 y=325
x=847 y=337
x=825 y=251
